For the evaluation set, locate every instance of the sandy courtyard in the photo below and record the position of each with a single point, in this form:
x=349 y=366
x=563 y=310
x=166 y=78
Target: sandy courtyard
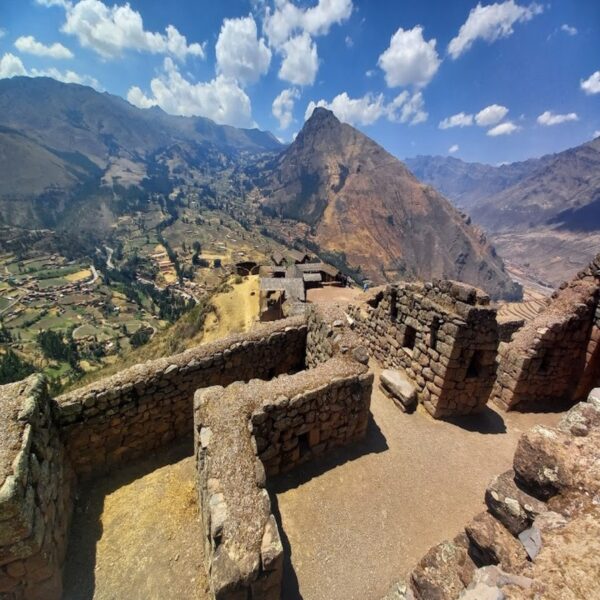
x=358 y=520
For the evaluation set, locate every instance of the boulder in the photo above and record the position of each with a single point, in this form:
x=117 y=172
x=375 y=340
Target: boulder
x=399 y=387
x=444 y=572
x=548 y=461
x=513 y=507
x=492 y=544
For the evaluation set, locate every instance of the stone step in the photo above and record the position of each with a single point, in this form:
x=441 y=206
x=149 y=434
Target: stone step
x=397 y=385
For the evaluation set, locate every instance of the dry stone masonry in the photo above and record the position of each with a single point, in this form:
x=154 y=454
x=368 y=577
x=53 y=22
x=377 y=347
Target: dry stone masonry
x=36 y=494
x=263 y=403
x=554 y=360
x=443 y=335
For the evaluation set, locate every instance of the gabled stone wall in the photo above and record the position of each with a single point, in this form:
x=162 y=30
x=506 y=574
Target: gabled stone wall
x=554 y=360
x=36 y=494
x=443 y=334
x=144 y=407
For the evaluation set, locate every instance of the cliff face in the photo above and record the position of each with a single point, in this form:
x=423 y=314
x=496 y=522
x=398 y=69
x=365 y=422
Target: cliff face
x=363 y=202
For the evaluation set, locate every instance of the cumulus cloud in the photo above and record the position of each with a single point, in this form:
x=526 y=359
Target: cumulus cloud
x=491 y=23
x=568 y=29
x=491 y=115
x=459 y=120
x=300 y=60
x=240 y=54
x=12 y=66
x=591 y=85
x=596 y=134
x=283 y=107
x=405 y=108
x=287 y=19
x=503 y=129
x=2 y=33
x=409 y=59
x=221 y=99
x=454 y=149
x=549 y=118
x=111 y=30
x=29 y=45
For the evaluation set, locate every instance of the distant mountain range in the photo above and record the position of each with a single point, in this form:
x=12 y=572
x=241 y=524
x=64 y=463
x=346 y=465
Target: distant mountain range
x=361 y=201
x=542 y=213
x=68 y=152
x=55 y=136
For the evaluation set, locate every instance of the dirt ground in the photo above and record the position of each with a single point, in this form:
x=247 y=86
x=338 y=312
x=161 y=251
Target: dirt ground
x=333 y=294
x=356 y=521
x=136 y=534
x=235 y=311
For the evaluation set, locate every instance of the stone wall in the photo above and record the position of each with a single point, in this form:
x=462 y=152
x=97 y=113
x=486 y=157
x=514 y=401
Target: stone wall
x=443 y=334
x=245 y=432
x=540 y=534
x=146 y=406
x=291 y=430
x=554 y=360
x=36 y=494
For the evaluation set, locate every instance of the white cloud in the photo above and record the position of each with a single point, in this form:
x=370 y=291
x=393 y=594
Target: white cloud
x=355 y=111
x=240 y=54
x=491 y=115
x=63 y=3
x=2 y=32
x=409 y=59
x=491 y=23
x=596 y=134
x=349 y=42
x=12 y=66
x=288 y=19
x=221 y=99
x=459 y=120
x=283 y=107
x=454 y=149
x=405 y=108
x=503 y=129
x=300 y=60
x=29 y=45
x=568 y=29
x=370 y=73
x=591 y=85
x=549 y=118
x=111 y=30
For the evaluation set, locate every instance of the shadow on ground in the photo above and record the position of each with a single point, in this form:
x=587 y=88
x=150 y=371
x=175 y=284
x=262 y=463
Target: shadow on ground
x=374 y=442
x=79 y=577
x=488 y=421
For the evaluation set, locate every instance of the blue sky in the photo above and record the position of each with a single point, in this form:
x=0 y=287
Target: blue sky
x=491 y=82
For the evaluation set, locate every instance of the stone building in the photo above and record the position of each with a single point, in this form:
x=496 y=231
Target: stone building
x=443 y=335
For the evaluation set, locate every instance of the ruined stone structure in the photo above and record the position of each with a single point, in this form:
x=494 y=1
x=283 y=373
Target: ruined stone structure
x=444 y=335
x=279 y=421
x=263 y=403
x=539 y=537
x=36 y=493
x=554 y=360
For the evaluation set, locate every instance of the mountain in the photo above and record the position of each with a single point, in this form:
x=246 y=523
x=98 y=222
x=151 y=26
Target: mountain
x=543 y=214
x=56 y=136
x=364 y=204
x=466 y=184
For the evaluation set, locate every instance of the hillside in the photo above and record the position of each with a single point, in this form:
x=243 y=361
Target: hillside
x=364 y=204
x=543 y=214
x=56 y=137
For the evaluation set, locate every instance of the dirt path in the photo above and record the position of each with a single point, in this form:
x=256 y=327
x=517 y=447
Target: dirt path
x=136 y=535
x=333 y=293
x=358 y=520
x=235 y=311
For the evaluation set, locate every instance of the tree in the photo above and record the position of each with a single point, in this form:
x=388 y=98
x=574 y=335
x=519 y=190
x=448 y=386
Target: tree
x=13 y=368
